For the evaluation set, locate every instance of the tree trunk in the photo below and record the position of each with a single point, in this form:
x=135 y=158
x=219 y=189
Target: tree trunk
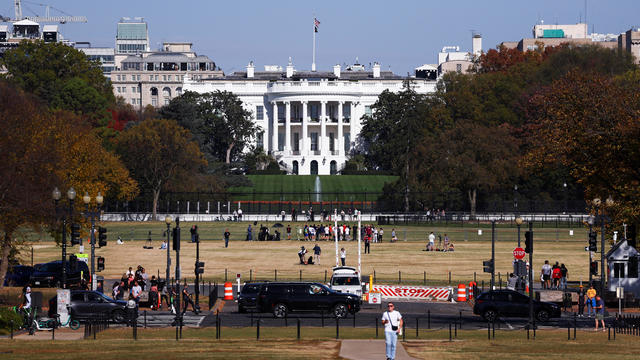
x=5 y=249
x=472 y=203
x=229 y=152
x=156 y=196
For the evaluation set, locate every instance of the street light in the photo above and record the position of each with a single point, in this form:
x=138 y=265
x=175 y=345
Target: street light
x=168 y=220
x=92 y=215
x=61 y=215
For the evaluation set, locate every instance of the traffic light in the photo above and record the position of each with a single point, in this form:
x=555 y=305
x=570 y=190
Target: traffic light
x=593 y=241
x=102 y=236
x=75 y=234
x=176 y=239
x=100 y=263
x=528 y=242
x=199 y=267
x=488 y=266
x=593 y=268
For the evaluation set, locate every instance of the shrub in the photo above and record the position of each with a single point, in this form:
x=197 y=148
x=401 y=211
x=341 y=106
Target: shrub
x=6 y=316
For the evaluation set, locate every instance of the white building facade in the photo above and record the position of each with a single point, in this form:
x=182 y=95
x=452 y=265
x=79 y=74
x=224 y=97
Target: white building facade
x=309 y=120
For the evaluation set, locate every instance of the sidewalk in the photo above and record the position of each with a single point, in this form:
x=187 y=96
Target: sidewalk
x=369 y=350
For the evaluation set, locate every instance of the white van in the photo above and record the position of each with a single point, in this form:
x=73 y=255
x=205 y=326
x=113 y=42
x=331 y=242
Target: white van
x=346 y=279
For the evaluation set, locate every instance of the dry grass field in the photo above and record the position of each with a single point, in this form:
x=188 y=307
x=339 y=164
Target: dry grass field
x=260 y=260
x=320 y=343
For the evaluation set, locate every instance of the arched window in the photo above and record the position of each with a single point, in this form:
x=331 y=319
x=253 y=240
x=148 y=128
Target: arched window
x=166 y=92
x=295 y=167
x=333 y=167
x=179 y=91
x=314 y=167
x=154 y=91
x=154 y=96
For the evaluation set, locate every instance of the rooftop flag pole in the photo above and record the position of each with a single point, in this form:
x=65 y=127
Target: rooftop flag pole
x=315 y=30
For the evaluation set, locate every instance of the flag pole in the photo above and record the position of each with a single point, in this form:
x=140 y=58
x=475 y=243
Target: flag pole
x=313 y=63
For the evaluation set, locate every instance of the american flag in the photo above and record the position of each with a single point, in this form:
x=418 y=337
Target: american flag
x=315 y=24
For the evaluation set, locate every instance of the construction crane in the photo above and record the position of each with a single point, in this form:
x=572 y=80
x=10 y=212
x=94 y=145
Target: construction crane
x=65 y=18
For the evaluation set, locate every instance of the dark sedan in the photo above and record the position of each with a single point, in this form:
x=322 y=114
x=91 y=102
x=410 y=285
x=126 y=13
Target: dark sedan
x=508 y=303
x=247 y=300
x=88 y=305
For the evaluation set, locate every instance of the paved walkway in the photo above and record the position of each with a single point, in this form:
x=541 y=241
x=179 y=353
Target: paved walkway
x=369 y=350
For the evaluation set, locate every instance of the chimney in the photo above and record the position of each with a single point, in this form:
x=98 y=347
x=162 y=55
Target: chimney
x=477 y=45
x=289 y=68
x=250 y=69
x=336 y=70
x=376 y=70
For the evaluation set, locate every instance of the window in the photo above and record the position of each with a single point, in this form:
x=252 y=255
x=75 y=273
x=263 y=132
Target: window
x=315 y=289
x=124 y=89
x=295 y=167
x=118 y=77
x=367 y=110
x=260 y=112
x=166 y=101
x=157 y=76
x=296 y=141
x=332 y=142
x=260 y=140
x=133 y=101
x=347 y=142
x=633 y=267
x=314 y=141
x=281 y=111
x=77 y=297
x=459 y=68
x=154 y=102
x=281 y=141
x=346 y=111
x=138 y=76
x=119 y=90
x=133 y=89
x=169 y=77
x=345 y=280
x=618 y=270
x=333 y=167
x=315 y=111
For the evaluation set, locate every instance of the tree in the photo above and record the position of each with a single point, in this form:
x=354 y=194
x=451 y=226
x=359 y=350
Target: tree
x=219 y=123
x=588 y=123
x=41 y=150
x=63 y=77
x=159 y=152
x=469 y=157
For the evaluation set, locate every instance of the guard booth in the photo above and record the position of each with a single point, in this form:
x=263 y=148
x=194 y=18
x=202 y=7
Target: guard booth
x=622 y=262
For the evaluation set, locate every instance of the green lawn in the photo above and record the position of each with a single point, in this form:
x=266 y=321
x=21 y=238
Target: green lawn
x=302 y=187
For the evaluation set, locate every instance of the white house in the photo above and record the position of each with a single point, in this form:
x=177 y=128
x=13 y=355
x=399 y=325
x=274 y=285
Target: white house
x=310 y=119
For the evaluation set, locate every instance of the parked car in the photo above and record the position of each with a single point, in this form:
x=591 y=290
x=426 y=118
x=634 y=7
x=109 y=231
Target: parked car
x=18 y=275
x=508 y=303
x=282 y=298
x=247 y=300
x=50 y=274
x=87 y=305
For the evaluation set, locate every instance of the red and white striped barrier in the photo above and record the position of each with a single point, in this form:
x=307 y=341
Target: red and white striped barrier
x=401 y=292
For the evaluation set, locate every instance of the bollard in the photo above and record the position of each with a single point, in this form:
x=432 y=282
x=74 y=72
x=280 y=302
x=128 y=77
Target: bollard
x=399 y=277
x=275 y=275
x=251 y=318
x=482 y=285
x=286 y=319
x=455 y=329
x=474 y=277
x=145 y=319
x=325 y=276
x=225 y=275
x=337 y=328
x=375 y=280
x=493 y=326
x=250 y=275
x=568 y=332
x=354 y=320
x=450 y=339
x=424 y=279
x=11 y=325
x=93 y=329
x=429 y=319
x=488 y=330
x=258 y=329
x=609 y=334
x=300 y=274
x=298 y=324
x=527 y=332
x=460 y=320
x=322 y=317
x=53 y=333
x=220 y=329
x=376 y=327
x=449 y=277
x=403 y=332
x=417 y=327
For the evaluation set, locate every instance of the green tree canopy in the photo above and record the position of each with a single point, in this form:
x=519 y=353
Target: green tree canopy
x=222 y=127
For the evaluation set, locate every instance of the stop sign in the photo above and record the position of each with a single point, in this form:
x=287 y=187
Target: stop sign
x=518 y=253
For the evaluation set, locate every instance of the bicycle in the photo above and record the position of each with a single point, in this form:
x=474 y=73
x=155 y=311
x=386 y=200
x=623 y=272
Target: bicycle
x=56 y=323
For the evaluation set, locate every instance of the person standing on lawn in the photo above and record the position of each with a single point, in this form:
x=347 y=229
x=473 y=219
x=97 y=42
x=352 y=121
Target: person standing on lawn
x=316 y=253
x=343 y=256
x=226 y=235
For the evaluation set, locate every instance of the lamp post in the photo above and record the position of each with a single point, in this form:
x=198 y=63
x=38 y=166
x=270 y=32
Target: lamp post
x=92 y=215
x=564 y=188
x=61 y=215
x=168 y=220
x=590 y=221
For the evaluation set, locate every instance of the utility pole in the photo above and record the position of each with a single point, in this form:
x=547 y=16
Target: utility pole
x=531 y=276
x=493 y=254
x=176 y=241
x=197 y=272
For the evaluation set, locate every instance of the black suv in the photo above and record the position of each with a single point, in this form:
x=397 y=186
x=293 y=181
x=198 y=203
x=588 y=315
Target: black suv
x=50 y=274
x=87 y=305
x=282 y=298
x=508 y=303
x=248 y=297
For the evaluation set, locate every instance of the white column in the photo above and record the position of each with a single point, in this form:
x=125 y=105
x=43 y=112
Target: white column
x=323 y=127
x=287 y=128
x=274 y=135
x=340 y=134
x=352 y=122
x=304 y=147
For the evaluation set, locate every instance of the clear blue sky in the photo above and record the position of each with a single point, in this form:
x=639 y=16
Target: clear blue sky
x=399 y=34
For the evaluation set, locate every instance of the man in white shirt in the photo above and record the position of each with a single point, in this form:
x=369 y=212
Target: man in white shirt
x=343 y=256
x=432 y=240
x=136 y=290
x=392 y=321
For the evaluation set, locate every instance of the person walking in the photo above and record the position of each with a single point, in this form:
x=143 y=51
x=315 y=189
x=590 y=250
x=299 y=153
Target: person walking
x=249 y=233
x=600 y=312
x=546 y=275
x=564 y=272
x=392 y=321
x=591 y=295
x=343 y=256
x=226 y=237
x=316 y=253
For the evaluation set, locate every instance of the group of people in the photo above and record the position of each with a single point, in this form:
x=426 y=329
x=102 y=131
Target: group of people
x=553 y=277
x=447 y=245
x=132 y=284
x=317 y=251
x=595 y=305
